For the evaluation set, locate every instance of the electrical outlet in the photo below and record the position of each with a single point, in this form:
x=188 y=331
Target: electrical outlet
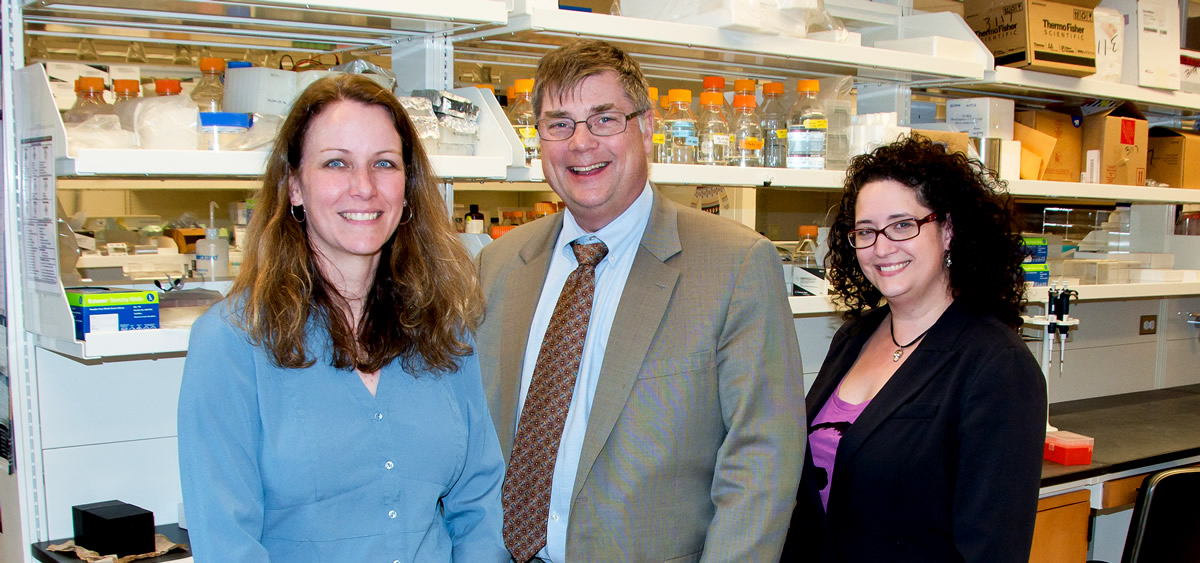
x=1148 y=324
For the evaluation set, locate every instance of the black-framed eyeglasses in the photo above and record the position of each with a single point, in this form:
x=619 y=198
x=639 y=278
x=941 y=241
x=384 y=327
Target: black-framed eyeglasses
x=903 y=229
x=605 y=124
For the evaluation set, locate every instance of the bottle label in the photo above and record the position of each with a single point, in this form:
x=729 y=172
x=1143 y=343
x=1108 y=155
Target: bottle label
x=690 y=141
x=683 y=132
x=659 y=139
x=781 y=133
x=751 y=143
x=526 y=132
x=816 y=124
x=720 y=140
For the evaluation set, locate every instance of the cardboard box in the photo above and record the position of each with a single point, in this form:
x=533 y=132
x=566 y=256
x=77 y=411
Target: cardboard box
x=1189 y=70
x=1037 y=248
x=982 y=117
x=1174 y=157
x=1151 y=42
x=1120 y=132
x=1036 y=275
x=100 y=309
x=1064 y=162
x=954 y=142
x=1056 y=37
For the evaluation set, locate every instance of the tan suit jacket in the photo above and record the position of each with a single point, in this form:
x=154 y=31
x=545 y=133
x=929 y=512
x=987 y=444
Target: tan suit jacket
x=695 y=440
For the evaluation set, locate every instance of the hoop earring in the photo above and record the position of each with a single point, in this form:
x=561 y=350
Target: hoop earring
x=403 y=219
x=302 y=216
x=948 y=260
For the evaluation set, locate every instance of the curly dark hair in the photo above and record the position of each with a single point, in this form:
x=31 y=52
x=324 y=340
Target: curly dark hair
x=985 y=251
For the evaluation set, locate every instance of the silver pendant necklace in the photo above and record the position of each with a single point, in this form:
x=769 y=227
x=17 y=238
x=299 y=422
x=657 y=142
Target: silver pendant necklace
x=899 y=353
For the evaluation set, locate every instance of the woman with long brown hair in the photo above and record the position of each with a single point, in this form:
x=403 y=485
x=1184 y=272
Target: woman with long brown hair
x=331 y=406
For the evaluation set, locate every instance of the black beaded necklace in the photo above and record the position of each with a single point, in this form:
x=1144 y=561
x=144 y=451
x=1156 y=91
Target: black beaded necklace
x=899 y=353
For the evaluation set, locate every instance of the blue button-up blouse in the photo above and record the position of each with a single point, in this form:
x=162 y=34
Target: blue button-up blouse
x=305 y=465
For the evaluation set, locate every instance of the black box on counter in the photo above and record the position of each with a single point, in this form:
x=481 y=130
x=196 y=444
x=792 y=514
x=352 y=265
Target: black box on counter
x=114 y=527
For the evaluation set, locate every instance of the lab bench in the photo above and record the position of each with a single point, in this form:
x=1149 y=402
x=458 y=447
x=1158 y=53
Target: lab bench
x=1135 y=434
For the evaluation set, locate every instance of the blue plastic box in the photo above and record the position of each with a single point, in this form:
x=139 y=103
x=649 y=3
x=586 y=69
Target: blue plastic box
x=102 y=309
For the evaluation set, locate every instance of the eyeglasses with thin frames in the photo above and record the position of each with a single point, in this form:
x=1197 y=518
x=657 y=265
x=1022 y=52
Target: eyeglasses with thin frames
x=904 y=229
x=605 y=124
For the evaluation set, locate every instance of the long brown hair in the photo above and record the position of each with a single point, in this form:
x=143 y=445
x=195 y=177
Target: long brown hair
x=425 y=299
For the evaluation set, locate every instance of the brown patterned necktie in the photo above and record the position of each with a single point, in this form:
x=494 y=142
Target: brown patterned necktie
x=526 y=492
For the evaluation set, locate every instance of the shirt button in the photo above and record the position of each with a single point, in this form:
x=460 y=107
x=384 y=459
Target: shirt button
x=554 y=516
x=391 y=514
x=378 y=416
x=389 y=465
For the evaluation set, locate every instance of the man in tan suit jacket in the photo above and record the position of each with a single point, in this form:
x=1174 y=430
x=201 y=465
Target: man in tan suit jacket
x=685 y=435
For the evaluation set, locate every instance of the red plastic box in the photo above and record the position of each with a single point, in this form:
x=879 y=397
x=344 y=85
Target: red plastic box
x=1068 y=448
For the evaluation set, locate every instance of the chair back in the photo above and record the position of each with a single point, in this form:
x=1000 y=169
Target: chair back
x=1166 y=519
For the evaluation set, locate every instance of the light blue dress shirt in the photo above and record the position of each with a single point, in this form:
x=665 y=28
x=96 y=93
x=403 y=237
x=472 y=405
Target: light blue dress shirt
x=622 y=237
x=305 y=465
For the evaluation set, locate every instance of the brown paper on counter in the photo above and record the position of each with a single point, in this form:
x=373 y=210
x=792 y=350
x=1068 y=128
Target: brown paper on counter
x=162 y=545
x=1038 y=144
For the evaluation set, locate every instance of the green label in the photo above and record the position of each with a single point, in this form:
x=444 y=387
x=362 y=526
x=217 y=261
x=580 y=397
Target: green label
x=76 y=298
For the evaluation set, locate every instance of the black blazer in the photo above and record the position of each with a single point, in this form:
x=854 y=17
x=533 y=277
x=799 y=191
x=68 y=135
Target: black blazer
x=944 y=464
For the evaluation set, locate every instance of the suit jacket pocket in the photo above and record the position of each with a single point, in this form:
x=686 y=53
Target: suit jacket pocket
x=916 y=411
x=685 y=558
x=665 y=366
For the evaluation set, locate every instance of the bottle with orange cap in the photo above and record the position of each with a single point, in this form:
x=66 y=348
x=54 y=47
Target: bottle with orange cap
x=716 y=84
x=660 y=129
x=808 y=274
x=126 y=101
x=89 y=100
x=523 y=120
x=713 y=131
x=681 y=128
x=748 y=141
x=209 y=92
x=772 y=116
x=806 y=129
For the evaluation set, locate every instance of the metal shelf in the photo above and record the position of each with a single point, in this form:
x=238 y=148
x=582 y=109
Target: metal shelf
x=1041 y=189
x=226 y=164
x=117 y=344
x=699 y=174
x=670 y=49
x=1049 y=88
x=319 y=25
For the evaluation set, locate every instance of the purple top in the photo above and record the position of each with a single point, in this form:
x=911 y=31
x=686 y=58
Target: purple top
x=825 y=433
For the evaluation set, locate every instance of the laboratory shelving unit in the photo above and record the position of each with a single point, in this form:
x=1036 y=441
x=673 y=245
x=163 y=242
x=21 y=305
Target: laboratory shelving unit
x=425 y=39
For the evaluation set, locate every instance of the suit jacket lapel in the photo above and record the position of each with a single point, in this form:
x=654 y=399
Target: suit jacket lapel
x=520 y=301
x=922 y=366
x=642 y=307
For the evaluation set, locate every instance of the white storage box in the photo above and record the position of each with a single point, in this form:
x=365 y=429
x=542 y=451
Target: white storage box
x=738 y=15
x=1149 y=275
x=132 y=267
x=259 y=90
x=982 y=117
x=1151 y=42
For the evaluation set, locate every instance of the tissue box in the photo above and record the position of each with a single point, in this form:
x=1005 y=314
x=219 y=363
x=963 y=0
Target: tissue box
x=1068 y=448
x=100 y=309
x=114 y=527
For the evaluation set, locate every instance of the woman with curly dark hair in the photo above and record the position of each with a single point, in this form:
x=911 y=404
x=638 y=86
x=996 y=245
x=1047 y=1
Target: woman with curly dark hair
x=926 y=421
x=331 y=408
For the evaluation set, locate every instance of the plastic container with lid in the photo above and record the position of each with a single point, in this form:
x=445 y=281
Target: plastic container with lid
x=772 y=116
x=89 y=100
x=682 y=140
x=220 y=130
x=716 y=85
x=543 y=209
x=1068 y=448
